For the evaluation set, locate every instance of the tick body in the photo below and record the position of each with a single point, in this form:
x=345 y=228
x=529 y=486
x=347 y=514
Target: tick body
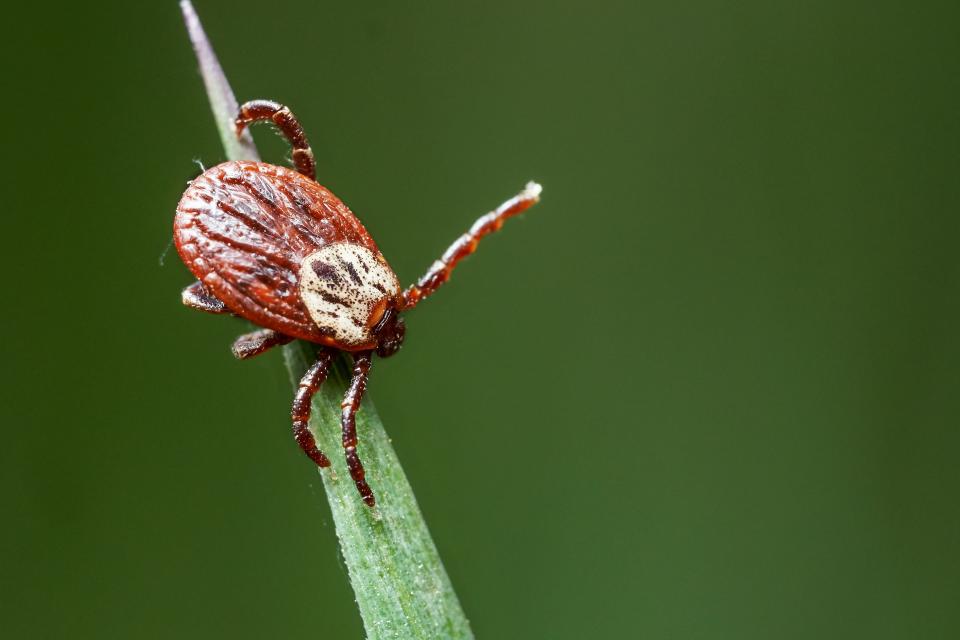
x=271 y=245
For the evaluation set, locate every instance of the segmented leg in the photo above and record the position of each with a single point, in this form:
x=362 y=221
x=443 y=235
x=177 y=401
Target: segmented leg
x=253 y=344
x=197 y=297
x=300 y=413
x=466 y=244
x=348 y=422
x=283 y=118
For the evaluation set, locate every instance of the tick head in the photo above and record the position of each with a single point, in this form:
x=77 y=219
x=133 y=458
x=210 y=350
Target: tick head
x=389 y=332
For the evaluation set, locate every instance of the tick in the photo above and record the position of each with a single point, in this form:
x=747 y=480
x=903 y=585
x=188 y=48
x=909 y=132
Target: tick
x=271 y=245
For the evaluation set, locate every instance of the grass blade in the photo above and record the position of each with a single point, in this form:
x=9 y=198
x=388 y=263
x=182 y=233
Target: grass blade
x=222 y=101
x=401 y=587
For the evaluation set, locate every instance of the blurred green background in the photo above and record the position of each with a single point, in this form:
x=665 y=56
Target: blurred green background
x=709 y=388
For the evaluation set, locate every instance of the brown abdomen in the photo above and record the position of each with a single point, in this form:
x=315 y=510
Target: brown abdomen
x=243 y=229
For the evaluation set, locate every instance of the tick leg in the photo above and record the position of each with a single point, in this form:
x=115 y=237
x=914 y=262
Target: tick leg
x=197 y=297
x=253 y=344
x=283 y=118
x=348 y=422
x=466 y=244
x=300 y=413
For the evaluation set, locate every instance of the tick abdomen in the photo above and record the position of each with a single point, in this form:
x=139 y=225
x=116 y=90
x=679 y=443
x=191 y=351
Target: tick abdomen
x=245 y=229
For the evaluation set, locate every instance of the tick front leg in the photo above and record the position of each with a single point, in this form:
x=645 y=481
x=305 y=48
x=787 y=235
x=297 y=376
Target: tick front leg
x=466 y=244
x=197 y=297
x=302 y=404
x=253 y=344
x=348 y=422
x=289 y=126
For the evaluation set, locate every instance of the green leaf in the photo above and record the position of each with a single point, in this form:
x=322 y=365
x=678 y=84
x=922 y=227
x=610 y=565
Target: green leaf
x=401 y=587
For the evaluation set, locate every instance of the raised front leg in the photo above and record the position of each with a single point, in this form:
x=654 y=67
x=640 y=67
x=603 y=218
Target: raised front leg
x=289 y=126
x=348 y=423
x=300 y=413
x=197 y=297
x=253 y=344
x=466 y=244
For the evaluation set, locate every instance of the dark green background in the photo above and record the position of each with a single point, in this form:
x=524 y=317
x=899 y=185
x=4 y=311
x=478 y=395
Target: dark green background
x=707 y=389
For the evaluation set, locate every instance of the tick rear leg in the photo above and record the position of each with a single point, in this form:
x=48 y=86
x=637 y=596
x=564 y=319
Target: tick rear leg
x=348 y=422
x=289 y=126
x=197 y=297
x=300 y=413
x=253 y=344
